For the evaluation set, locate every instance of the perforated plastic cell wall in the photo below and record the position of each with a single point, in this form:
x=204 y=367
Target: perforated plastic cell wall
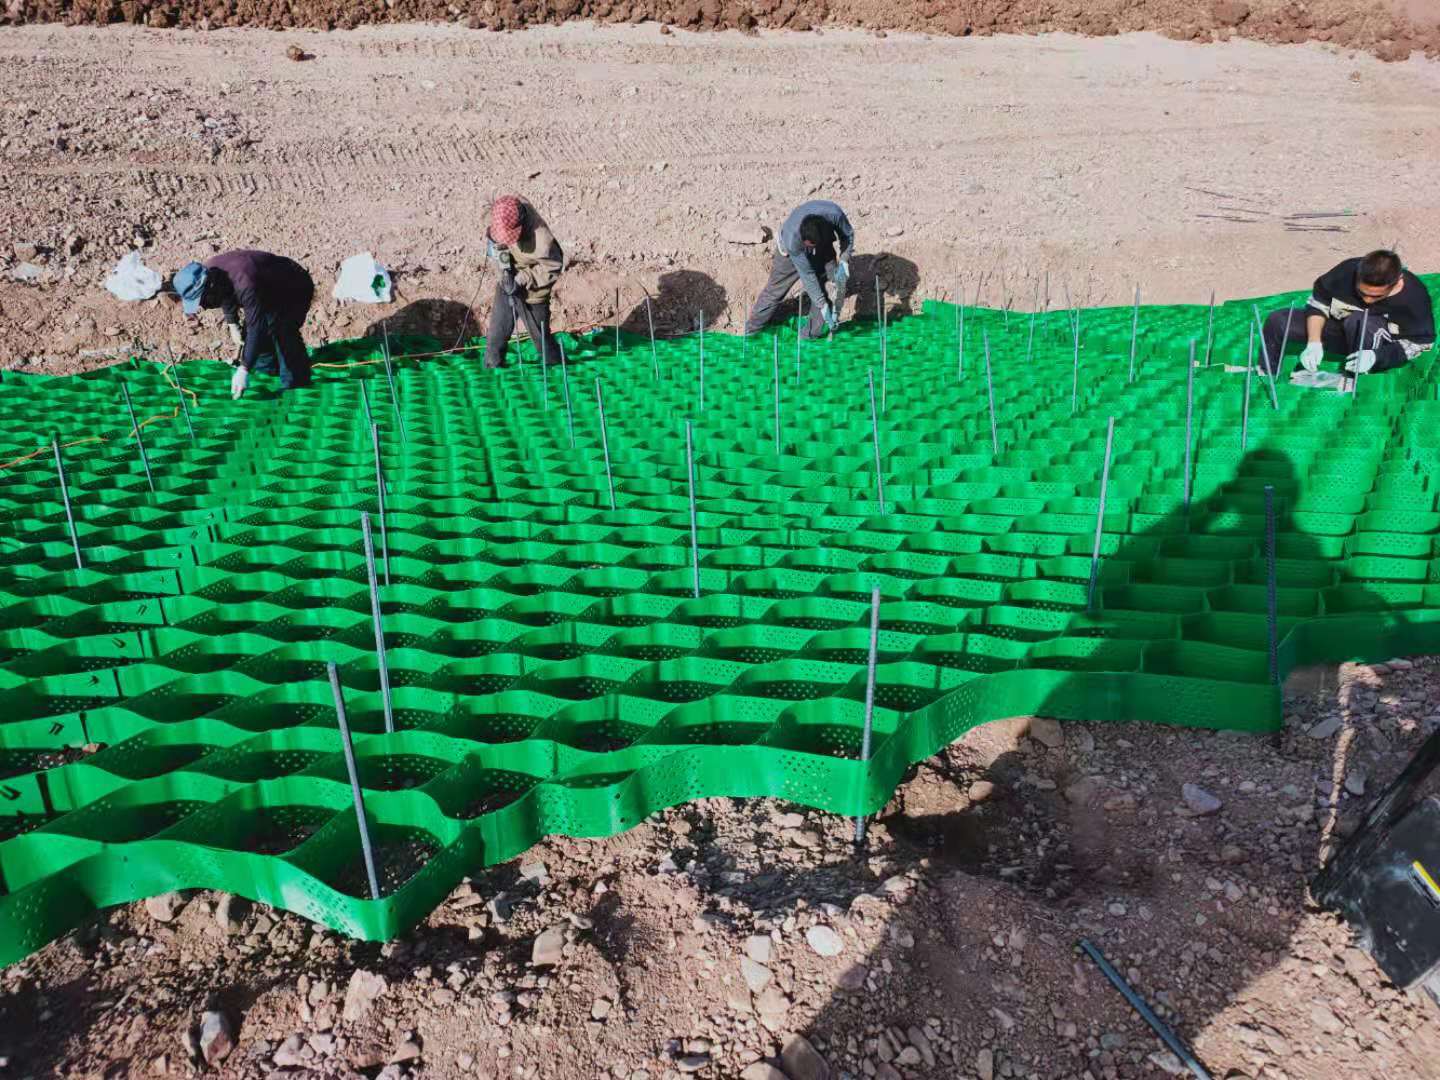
x=165 y=721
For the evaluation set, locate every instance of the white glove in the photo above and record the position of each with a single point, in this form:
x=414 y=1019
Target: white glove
x=1361 y=362
x=1311 y=356
x=235 y=335
x=828 y=314
x=238 y=382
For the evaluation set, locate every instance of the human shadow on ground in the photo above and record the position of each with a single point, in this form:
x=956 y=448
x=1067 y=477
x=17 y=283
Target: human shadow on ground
x=899 y=278
x=684 y=296
x=1087 y=831
x=443 y=319
x=1084 y=831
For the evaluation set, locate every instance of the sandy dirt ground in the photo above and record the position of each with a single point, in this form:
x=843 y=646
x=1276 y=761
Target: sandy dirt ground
x=727 y=939
x=1102 y=162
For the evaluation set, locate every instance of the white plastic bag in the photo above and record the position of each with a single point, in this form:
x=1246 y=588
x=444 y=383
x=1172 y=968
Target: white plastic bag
x=363 y=279
x=132 y=279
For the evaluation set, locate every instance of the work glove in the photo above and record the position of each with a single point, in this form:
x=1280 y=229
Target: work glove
x=831 y=319
x=1360 y=362
x=1311 y=356
x=238 y=382
x=500 y=256
x=236 y=334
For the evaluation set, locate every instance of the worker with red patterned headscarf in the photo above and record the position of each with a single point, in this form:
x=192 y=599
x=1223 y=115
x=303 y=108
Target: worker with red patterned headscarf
x=529 y=260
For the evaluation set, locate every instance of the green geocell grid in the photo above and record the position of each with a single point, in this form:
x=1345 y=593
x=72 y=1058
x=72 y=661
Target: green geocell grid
x=552 y=672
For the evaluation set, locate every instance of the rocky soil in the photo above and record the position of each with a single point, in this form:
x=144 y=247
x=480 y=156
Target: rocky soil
x=664 y=161
x=754 y=940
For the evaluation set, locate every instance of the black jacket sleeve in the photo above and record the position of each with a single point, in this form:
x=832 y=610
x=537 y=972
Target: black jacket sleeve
x=256 y=315
x=1322 y=294
x=1423 y=332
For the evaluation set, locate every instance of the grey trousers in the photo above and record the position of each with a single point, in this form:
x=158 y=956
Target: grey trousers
x=783 y=277
x=502 y=325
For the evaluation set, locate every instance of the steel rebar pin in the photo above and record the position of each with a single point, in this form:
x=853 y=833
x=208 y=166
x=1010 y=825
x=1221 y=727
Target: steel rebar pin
x=650 y=321
x=65 y=500
x=394 y=393
x=380 y=663
x=1285 y=338
x=694 y=523
x=799 y=327
x=545 y=369
x=1030 y=343
x=884 y=346
x=875 y=436
x=1364 y=325
x=1168 y=1037
x=519 y=319
x=777 y=397
x=1100 y=517
x=1075 y=369
x=1210 y=330
x=139 y=440
x=1265 y=354
x=865 y=732
x=180 y=390
x=990 y=393
x=1272 y=617
x=367 y=850
x=702 y=365
x=365 y=400
x=1245 y=404
x=604 y=441
x=380 y=500
x=1189 y=419
x=617 y=320
x=565 y=386
x=960 y=343
x=1134 y=331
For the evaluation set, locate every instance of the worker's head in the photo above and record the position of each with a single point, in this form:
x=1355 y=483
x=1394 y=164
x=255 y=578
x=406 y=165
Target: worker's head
x=189 y=286
x=1378 y=276
x=507 y=220
x=816 y=234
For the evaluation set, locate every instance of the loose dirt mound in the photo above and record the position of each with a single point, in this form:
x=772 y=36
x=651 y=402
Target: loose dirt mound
x=1392 y=29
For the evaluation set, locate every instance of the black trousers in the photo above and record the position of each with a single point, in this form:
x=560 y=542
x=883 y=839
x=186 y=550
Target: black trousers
x=503 y=312
x=1336 y=336
x=282 y=348
x=783 y=277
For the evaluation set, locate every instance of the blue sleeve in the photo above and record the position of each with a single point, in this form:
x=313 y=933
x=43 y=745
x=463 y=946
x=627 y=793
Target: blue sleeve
x=810 y=282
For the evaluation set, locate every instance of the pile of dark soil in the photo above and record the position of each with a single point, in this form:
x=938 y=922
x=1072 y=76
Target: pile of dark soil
x=1392 y=29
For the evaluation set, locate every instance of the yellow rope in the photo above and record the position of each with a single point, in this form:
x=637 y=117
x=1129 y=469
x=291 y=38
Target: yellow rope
x=36 y=453
x=166 y=373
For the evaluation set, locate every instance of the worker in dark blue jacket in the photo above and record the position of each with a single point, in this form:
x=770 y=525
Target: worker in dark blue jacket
x=273 y=293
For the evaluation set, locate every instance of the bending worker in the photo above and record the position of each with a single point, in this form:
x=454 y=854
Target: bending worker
x=273 y=292
x=805 y=251
x=529 y=260
x=1371 y=310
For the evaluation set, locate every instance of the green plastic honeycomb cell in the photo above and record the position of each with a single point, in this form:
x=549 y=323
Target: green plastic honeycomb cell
x=165 y=717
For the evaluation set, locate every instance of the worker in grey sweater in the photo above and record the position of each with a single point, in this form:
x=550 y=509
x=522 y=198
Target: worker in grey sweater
x=805 y=252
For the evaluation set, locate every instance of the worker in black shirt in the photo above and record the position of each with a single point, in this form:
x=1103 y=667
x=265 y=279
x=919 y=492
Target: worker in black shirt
x=1371 y=310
